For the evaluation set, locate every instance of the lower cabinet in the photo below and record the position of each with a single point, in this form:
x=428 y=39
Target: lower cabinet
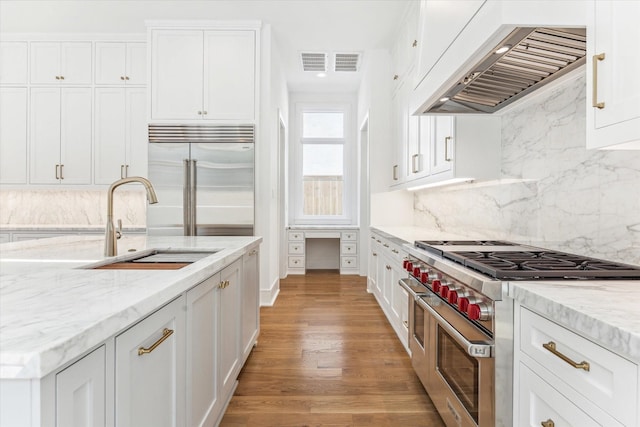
x=250 y=302
x=229 y=328
x=81 y=392
x=149 y=370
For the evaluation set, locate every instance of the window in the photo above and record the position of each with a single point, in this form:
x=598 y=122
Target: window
x=321 y=166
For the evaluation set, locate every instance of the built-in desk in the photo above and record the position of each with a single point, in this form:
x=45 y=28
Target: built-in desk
x=322 y=248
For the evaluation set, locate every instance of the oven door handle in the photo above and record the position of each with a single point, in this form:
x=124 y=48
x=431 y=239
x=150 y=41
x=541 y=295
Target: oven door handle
x=405 y=283
x=474 y=349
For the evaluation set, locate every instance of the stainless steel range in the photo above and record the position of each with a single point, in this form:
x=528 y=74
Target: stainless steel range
x=461 y=322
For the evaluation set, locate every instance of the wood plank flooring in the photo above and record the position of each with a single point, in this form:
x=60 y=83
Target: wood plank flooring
x=327 y=356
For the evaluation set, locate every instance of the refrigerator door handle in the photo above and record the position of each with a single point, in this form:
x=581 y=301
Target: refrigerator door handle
x=186 y=198
x=193 y=185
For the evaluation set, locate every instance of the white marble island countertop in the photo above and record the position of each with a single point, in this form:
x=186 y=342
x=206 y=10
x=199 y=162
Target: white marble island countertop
x=52 y=310
x=605 y=311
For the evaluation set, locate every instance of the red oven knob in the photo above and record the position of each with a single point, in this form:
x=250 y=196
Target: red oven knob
x=479 y=311
x=409 y=266
x=444 y=291
x=435 y=284
x=452 y=297
x=416 y=271
x=424 y=277
x=463 y=304
x=405 y=263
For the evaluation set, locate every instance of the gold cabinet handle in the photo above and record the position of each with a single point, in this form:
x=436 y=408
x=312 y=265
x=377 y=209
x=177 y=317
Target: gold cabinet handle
x=121 y=77
x=395 y=251
x=121 y=171
x=447 y=140
x=374 y=254
x=57 y=171
x=385 y=245
x=57 y=77
x=204 y=112
x=126 y=77
x=395 y=172
x=199 y=113
x=551 y=346
x=395 y=77
x=61 y=171
x=595 y=60
x=388 y=267
x=405 y=323
x=414 y=168
x=126 y=171
x=378 y=241
x=61 y=77
x=253 y=252
x=548 y=423
x=415 y=43
x=166 y=333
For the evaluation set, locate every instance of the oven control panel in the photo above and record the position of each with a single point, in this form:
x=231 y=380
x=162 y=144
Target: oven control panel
x=468 y=302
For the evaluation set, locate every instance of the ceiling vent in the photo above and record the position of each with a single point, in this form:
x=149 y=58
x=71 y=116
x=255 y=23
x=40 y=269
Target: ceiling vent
x=347 y=62
x=314 y=61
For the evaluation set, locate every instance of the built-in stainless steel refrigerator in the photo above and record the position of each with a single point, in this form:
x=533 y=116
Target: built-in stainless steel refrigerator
x=203 y=176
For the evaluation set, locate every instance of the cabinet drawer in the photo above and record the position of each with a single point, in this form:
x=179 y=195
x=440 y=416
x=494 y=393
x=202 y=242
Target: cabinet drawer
x=350 y=236
x=295 y=236
x=348 y=262
x=348 y=249
x=539 y=402
x=610 y=382
x=296 y=248
x=296 y=262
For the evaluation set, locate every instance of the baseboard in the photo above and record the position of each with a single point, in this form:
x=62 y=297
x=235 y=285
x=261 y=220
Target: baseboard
x=268 y=297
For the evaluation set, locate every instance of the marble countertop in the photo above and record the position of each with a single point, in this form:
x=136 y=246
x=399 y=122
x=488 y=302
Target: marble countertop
x=51 y=311
x=605 y=311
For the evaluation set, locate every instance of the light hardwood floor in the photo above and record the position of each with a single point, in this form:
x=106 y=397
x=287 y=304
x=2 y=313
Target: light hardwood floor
x=327 y=356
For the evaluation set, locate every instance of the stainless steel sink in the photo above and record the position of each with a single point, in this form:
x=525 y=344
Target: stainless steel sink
x=155 y=260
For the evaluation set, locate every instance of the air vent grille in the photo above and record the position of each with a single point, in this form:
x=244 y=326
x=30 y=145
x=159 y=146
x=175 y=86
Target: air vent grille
x=314 y=61
x=201 y=133
x=347 y=61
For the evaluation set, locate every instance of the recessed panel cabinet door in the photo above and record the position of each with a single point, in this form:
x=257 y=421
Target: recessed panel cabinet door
x=110 y=63
x=110 y=134
x=176 y=74
x=442 y=144
x=80 y=392
x=229 y=75
x=13 y=135
x=150 y=364
x=229 y=324
x=13 y=62
x=250 y=302
x=75 y=136
x=45 y=136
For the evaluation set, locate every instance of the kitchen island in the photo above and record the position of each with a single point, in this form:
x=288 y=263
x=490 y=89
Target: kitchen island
x=55 y=310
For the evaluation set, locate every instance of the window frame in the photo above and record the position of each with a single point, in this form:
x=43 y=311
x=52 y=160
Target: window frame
x=349 y=202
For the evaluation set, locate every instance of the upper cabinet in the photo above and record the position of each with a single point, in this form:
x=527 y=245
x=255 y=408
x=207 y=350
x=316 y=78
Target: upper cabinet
x=13 y=135
x=199 y=74
x=61 y=63
x=613 y=89
x=14 y=60
x=119 y=63
x=403 y=52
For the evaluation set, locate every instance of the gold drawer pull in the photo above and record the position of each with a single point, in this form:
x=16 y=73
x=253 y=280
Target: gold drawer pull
x=405 y=323
x=595 y=60
x=551 y=346
x=548 y=423
x=166 y=333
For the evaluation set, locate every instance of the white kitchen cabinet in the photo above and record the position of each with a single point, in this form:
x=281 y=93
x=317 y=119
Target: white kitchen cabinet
x=13 y=135
x=121 y=63
x=58 y=63
x=14 y=60
x=568 y=379
x=229 y=309
x=60 y=141
x=400 y=135
x=204 y=401
x=374 y=259
x=120 y=133
x=81 y=392
x=149 y=369
x=403 y=51
x=203 y=75
x=250 y=302
x=613 y=88
x=441 y=137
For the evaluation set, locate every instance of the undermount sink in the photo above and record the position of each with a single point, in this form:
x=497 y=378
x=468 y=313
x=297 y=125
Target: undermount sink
x=156 y=260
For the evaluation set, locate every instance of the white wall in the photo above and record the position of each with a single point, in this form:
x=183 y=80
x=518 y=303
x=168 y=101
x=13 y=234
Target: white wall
x=553 y=193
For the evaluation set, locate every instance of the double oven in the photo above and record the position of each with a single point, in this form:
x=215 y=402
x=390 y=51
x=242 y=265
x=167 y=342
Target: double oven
x=461 y=319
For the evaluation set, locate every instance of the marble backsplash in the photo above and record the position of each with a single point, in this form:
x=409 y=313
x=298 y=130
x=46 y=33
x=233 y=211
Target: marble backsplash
x=70 y=208
x=552 y=192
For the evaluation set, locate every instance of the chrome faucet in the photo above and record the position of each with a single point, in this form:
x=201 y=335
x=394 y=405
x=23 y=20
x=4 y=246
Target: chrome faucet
x=111 y=237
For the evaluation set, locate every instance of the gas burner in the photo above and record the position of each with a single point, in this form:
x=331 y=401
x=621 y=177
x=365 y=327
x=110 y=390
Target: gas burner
x=464 y=243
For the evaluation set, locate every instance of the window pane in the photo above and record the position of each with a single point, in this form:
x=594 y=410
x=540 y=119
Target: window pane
x=322 y=175
x=323 y=125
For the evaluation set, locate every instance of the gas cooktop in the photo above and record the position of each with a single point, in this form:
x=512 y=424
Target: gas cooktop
x=511 y=261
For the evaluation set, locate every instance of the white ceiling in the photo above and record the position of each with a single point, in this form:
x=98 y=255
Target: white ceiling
x=298 y=25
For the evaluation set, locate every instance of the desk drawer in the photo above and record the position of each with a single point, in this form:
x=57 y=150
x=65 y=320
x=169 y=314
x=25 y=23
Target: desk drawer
x=296 y=248
x=350 y=236
x=348 y=262
x=610 y=382
x=348 y=249
x=296 y=262
x=295 y=236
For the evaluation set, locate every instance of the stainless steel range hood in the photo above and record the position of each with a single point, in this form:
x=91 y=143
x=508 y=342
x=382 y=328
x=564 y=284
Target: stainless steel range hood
x=524 y=61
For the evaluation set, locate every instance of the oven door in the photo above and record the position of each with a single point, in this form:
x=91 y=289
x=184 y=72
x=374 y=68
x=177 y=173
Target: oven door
x=461 y=367
x=418 y=329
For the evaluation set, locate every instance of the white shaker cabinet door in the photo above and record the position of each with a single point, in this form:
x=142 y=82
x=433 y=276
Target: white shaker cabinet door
x=80 y=392
x=110 y=63
x=229 y=75
x=229 y=324
x=250 y=302
x=13 y=62
x=45 y=63
x=176 y=74
x=136 y=70
x=110 y=134
x=45 y=136
x=203 y=398
x=61 y=63
x=150 y=363
x=13 y=135
x=137 y=135
x=75 y=135
x=613 y=87
x=442 y=144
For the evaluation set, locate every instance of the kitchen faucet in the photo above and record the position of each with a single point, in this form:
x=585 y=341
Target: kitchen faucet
x=111 y=237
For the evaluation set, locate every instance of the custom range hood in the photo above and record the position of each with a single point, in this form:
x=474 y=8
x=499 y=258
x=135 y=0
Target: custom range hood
x=524 y=61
